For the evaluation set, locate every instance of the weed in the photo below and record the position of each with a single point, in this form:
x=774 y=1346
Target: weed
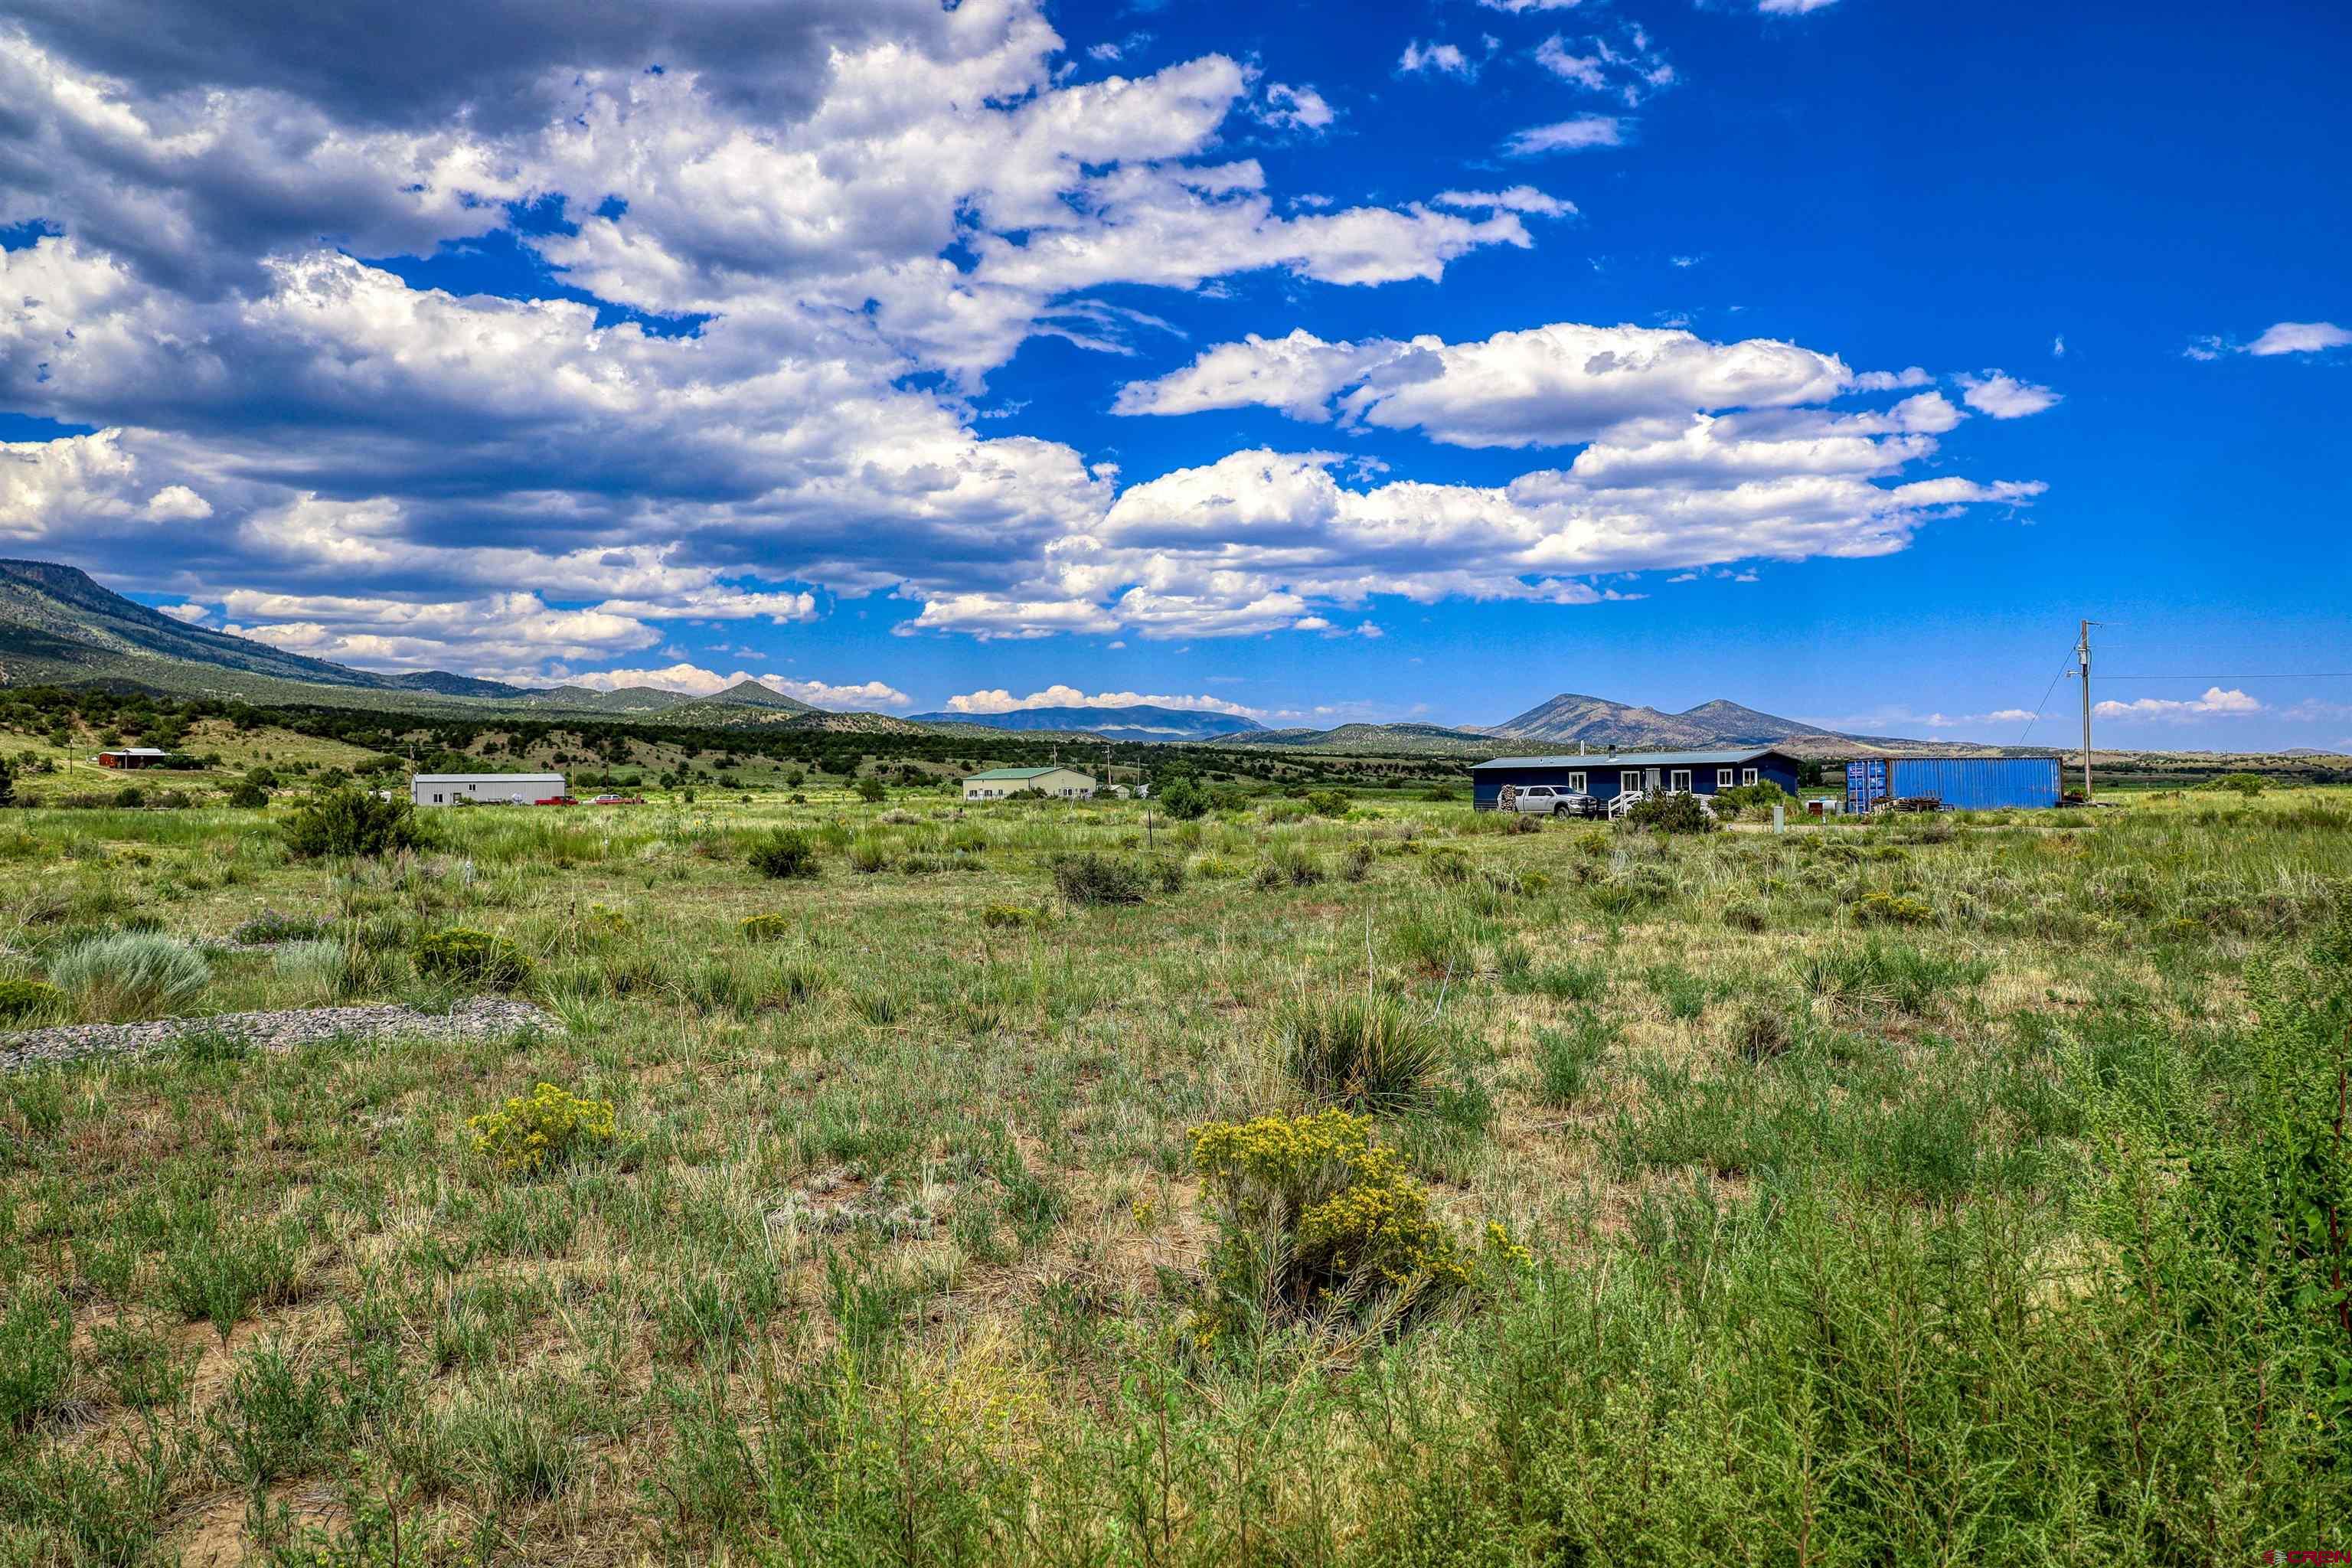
x=767 y=926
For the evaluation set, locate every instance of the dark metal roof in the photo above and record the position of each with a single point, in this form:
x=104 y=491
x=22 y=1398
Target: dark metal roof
x=1638 y=760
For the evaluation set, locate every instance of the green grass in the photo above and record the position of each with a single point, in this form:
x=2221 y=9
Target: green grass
x=1994 y=1235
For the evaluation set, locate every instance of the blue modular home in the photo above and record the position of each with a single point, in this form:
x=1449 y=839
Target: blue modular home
x=1608 y=776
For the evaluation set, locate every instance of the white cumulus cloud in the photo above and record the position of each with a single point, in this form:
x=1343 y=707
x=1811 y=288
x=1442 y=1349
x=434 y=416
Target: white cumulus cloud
x=1058 y=696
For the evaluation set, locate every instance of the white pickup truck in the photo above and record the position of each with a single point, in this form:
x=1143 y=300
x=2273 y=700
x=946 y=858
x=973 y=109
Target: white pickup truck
x=1549 y=800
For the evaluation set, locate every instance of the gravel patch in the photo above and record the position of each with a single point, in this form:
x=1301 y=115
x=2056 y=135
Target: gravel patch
x=275 y=1031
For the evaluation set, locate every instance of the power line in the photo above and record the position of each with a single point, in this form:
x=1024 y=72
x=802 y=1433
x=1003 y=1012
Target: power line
x=2045 y=696
x=2291 y=674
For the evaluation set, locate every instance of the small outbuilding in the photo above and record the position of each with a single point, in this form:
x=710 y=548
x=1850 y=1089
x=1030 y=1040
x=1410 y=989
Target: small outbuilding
x=1608 y=776
x=1003 y=783
x=484 y=789
x=134 y=757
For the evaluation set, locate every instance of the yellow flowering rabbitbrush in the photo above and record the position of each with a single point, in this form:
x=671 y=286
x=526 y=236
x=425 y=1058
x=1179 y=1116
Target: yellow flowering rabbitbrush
x=551 y=1125
x=1314 y=1216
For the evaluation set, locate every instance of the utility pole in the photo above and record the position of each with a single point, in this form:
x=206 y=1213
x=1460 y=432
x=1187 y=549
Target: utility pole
x=2083 y=652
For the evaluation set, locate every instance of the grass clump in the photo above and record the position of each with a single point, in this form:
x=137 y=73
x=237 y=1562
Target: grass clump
x=548 y=1127
x=351 y=822
x=786 y=854
x=1087 y=878
x=766 y=926
x=1565 y=1059
x=1011 y=917
x=1364 y=1053
x=36 y=1353
x=465 y=956
x=129 y=974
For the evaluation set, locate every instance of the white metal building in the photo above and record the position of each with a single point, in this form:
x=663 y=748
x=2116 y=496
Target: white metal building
x=999 y=784
x=483 y=789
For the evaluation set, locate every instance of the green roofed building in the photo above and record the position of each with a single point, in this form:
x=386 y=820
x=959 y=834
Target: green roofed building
x=1000 y=783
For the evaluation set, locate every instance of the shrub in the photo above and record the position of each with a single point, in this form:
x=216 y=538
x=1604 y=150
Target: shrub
x=1680 y=812
x=24 y=1000
x=549 y=1127
x=470 y=957
x=767 y=926
x=1184 y=800
x=1314 y=1217
x=248 y=796
x=1357 y=864
x=1328 y=802
x=1366 y=1054
x=129 y=974
x=871 y=791
x=1447 y=866
x=785 y=853
x=1097 y=880
x=351 y=821
x=270 y=926
x=2245 y=785
x=1757 y=799
x=870 y=854
x=1891 y=909
x=1011 y=917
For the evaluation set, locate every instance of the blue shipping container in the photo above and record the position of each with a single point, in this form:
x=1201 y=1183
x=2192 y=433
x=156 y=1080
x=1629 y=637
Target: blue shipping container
x=1963 y=784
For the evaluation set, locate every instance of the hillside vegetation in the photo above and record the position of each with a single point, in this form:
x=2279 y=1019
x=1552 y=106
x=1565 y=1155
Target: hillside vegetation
x=1314 y=1180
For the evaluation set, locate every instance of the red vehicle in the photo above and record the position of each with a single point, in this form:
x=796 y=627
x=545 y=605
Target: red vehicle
x=556 y=800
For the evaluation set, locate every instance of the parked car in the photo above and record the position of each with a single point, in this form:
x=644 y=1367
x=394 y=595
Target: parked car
x=618 y=800
x=556 y=800
x=1550 y=799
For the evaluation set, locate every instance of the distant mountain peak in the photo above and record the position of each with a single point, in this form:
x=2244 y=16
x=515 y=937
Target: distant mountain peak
x=1137 y=722
x=1599 y=722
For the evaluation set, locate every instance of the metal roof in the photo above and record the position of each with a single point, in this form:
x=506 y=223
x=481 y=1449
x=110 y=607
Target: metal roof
x=485 y=778
x=1638 y=760
x=135 y=752
x=1024 y=772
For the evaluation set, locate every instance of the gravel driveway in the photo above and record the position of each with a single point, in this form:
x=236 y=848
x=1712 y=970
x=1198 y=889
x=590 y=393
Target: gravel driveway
x=273 y=1030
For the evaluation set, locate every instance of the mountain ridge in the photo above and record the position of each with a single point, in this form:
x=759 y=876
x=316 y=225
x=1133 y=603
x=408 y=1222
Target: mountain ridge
x=1134 y=722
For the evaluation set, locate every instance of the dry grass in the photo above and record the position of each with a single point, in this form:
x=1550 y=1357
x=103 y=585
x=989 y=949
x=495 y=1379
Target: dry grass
x=949 y=1156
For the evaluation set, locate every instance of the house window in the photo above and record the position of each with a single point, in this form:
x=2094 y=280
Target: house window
x=1723 y=778
x=1576 y=783
x=1747 y=776
x=1630 y=780
x=1679 y=781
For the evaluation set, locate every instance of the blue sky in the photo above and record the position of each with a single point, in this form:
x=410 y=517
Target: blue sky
x=1833 y=357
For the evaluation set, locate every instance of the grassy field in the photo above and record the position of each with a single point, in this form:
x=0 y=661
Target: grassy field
x=1940 y=1190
